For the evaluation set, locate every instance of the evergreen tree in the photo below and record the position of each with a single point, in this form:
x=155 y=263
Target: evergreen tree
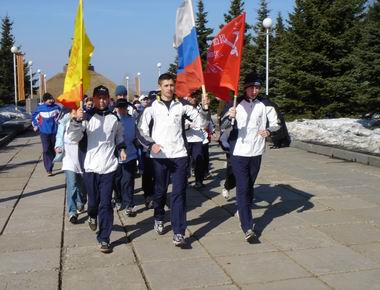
x=275 y=54
x=203 y=32
x=173 y=67
x=6 y=60
x=316 y=75
x=367 y=59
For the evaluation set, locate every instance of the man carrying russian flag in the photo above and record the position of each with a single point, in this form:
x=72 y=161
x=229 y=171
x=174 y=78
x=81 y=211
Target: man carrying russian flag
x=160 y=128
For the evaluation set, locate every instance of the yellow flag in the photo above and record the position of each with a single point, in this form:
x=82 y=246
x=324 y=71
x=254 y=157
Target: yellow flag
x=77 y=78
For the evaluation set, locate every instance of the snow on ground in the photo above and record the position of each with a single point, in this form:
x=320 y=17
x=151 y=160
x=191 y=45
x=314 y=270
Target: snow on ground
x=10 y=113
x=350 y=134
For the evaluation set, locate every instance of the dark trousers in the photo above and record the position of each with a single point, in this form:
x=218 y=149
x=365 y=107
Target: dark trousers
x=206 y=158
x=229 y=182
x=48 y=143
x=246 y=170
x=99 y=190
x=147 y=176
x=127 y=183
x=177 y=169
x=197 y=160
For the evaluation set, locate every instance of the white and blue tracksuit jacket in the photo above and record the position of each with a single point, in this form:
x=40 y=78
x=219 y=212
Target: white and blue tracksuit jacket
x=167 y=127
x=45 y=118
x=251 y=117
x=99 y=135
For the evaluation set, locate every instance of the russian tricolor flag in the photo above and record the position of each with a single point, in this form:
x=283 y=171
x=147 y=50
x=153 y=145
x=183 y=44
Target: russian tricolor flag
x=189 y=72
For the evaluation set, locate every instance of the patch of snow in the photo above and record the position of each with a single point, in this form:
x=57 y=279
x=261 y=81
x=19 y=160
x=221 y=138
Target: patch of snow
x=9 y=112
x=350 y=134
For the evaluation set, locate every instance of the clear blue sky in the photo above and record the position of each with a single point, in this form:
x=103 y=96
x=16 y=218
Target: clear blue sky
x=129 y=36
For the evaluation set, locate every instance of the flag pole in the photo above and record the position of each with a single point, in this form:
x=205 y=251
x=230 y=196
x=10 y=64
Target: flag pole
x=204 y=95
x=235 y=101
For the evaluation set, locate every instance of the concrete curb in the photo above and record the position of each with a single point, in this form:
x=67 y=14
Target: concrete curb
x=338 y=153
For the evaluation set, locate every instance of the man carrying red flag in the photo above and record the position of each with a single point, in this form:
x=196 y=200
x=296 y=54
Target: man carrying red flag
x=247 y=144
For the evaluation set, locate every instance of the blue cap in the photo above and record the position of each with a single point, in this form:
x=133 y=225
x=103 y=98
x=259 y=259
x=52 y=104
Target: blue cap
x=121 y=91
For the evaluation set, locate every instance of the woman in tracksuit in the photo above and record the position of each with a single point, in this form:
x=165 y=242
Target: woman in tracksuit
x=45 y=120
x=166 y=143
x=247 y=144
x=102 y=133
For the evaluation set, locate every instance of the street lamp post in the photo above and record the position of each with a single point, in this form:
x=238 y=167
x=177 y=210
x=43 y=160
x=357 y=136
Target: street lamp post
x=45 y=84
x=159 y=69
x=39 y=84
x=267 y=23
x=127 y=79
x=14 y=50
x=30 y=63
x=138 y=92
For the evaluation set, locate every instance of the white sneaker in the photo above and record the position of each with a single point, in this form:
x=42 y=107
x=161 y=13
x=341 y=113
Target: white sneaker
x=226 y=193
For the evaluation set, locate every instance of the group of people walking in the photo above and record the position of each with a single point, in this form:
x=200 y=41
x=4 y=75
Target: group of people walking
x=101 y=144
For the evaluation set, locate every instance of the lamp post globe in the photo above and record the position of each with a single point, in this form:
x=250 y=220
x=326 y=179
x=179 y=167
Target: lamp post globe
x=267 y=23
x=14 y=49
x=30 y=63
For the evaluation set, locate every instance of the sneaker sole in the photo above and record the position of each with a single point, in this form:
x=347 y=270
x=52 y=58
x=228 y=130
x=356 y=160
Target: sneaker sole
x=160 y=232
x=73 y=220
x=250 y=238
x=92 y=227
x=179 y=244
x=105 y=251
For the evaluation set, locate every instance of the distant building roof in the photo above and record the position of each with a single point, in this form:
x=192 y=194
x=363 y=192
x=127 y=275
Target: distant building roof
x=55 y=84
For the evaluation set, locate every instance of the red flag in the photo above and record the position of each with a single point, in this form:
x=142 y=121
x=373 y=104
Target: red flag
x=223 y=59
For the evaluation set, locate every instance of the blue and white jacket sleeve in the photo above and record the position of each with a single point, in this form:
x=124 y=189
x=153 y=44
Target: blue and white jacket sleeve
x=35 y=116
x=143 y=130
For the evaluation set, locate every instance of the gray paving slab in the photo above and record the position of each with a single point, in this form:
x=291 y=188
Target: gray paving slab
x=30 y=260
x=234 y=244
x=291 y=284
x=287 y=239
x=184 y=274
x=370 y=215
x=23 y=223
x=122 y=277
x=37 y=280
x=25 y=241
x=261 y=267
x=333 y=217
x=363 y=280
x=90 y=257
x=347 y=203
x=219 y=287
x=146 y=250
x=331 y=260
x=371 y=251
x=351 y=234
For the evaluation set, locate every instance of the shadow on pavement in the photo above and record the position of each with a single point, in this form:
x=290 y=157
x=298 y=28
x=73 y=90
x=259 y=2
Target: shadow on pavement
x=32 y=193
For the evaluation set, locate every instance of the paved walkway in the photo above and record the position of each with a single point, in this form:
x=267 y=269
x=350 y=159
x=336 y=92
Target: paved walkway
x=319 y=220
